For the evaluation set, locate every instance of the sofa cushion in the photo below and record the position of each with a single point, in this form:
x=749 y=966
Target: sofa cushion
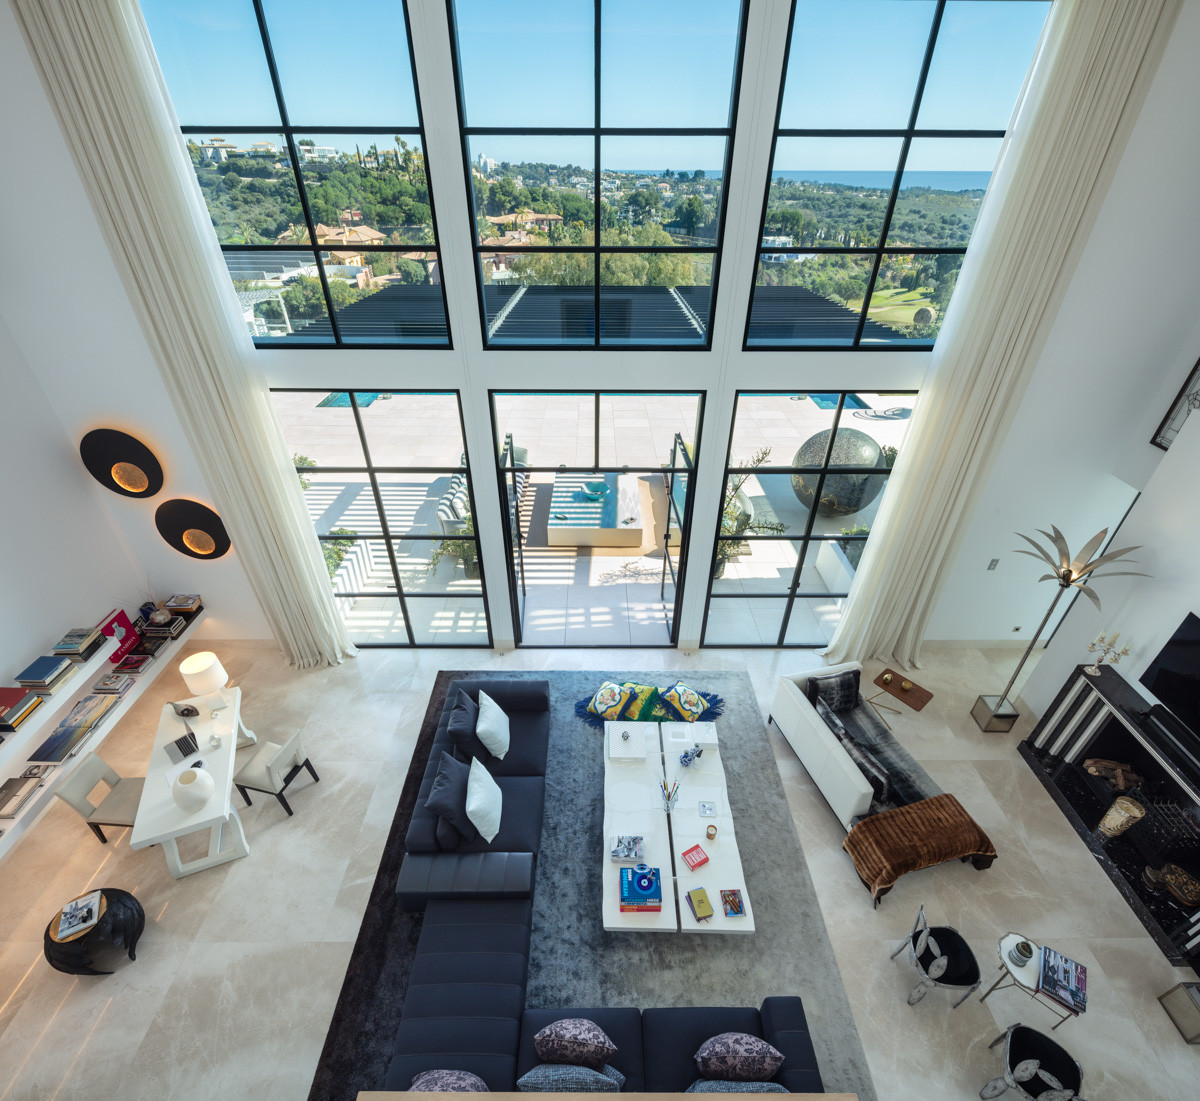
x=484 y=801
x=448 y=1081
x=574 y=1040
x=838 y=690
x=714 y=1085
x=569 y=1078
x=829 y=718
x=670 y=1038
x=785 y=1028
x=448 y=796
x=738 y=1057
x=622 y=1025
x=448 y=837
x=464 y=717
x=684 y=703
x=642 y=701
x=480 y=1045
x=521 y=823
x=610 y=701
x=491 y=727
x=866 y=763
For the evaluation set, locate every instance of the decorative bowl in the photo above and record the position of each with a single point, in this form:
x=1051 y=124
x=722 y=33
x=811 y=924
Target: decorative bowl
x=1021 y=953
x=595 y=491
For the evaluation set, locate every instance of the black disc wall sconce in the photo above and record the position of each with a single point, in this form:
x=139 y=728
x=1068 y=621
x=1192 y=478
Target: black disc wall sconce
x=121 y=463
x=192 y=528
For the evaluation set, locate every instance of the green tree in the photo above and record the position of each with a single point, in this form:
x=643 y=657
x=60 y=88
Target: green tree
x=691 y=214
x=698 y=175
x=502 y=198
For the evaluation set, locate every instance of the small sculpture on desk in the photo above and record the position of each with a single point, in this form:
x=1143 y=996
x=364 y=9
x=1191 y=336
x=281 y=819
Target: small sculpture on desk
x=688 y=756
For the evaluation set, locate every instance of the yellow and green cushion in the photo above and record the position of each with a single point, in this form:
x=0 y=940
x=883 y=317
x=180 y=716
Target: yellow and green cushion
x=641 y=703
x=610 y=701
x=686 y=703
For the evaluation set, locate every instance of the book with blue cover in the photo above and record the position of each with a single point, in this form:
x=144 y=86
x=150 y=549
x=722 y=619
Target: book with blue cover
x=41 y=671
x=641 y=889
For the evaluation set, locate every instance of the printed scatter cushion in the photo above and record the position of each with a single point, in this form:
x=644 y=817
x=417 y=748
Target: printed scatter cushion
x=830 y=719
x=568 y=1078
x=610 y=701
x=738 y=1057
x=448 y=796
x=491 y=728
x=838 y=690
x=461 y=727
x=448 y=1081
x=641 y=702
x=866 y=763
x=685 y=703
x=483 y=801
x=574 y=1040
x=712 y=1085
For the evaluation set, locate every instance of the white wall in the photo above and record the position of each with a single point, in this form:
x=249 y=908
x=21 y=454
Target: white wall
x=1122 y=344
x=72 y=323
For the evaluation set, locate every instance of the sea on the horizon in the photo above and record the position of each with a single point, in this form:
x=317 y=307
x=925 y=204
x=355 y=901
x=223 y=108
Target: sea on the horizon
x=938 y=181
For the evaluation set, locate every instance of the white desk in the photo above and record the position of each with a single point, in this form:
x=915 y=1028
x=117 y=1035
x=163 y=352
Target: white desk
x=160 y=821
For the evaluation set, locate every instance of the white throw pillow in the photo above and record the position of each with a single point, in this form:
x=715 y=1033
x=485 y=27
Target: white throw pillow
x=483 y=801
x=491 y=727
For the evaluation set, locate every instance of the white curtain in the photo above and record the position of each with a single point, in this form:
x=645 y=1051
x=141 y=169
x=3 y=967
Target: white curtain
x=1084 y=91
x=95 y=60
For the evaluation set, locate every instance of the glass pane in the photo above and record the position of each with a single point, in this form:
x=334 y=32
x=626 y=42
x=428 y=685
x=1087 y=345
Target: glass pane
x=362 y=190
x=387 y=297
x=830 y=564
x=770 y=429
x=417 y=429
x=821 y=93
x=983 y=51
x=763 y=504
x=848 y=502
x=663 y=184
x=539 y=298
x=426 y=504
x=533 y=190
x=734 y=621
x=650 y=55
x=941 y=191
x=550 y=429
x=655 y=298
x=812 y=299
x=340 y=504
x=317 y=95
x=280 y=295
x=318 y=428
x=373 y=619
x=910 y=297
x=250 y=189
x=645 y=430
x=189 y=38
x=448 y=621
x=531 y=65
x=813 y=621
x=358 y=565
x=885 y=416
x=830 y=192
x=755 y=565
x=438 y=565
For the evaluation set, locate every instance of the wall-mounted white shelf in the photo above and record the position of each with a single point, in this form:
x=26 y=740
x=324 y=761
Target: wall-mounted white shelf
x=36 y=729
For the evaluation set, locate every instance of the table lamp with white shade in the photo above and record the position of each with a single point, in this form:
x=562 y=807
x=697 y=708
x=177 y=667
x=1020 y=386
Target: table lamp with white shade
x=205 y=676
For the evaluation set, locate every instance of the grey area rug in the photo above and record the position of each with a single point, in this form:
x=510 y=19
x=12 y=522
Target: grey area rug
x=575 y=963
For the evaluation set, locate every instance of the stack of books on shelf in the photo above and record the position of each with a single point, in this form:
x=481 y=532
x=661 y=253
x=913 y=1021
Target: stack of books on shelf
x=16 y=705
x=641 y=890
x=133 y=663
x=16 y=792
x=82 y=719
x=78 y=644
x=113 y=684
x=46 y=675
x=185 y=605
x=173 y=628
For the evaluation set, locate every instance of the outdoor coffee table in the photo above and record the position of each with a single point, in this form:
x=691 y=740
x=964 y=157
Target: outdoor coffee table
x=892 y=683
x=1025 y=978
x=633 y=805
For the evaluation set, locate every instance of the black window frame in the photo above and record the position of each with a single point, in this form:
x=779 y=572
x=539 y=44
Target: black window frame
x=875 y=253
x=290 y=135
x=597 y=248
x=805 y=540
x=371 y=470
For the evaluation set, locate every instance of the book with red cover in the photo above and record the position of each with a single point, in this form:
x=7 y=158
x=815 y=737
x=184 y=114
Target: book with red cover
x=695 y=856
x=16 y=705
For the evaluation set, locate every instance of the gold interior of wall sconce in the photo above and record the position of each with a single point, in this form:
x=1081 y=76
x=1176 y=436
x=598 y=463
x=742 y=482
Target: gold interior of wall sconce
x=130 y=477
x=199 y=542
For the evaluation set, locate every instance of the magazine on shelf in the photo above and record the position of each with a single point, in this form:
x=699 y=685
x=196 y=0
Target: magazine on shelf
x=1064 y=980
x=79 y=915
x=15 y=793
x=628 y=848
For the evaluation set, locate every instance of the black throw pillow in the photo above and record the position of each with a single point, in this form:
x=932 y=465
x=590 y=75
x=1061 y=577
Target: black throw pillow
x=838 y=690
x=461 y=728
x=448 y=796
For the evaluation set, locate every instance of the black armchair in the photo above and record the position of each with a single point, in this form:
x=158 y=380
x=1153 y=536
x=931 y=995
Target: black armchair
x=1036 y=1067
x=943 y=958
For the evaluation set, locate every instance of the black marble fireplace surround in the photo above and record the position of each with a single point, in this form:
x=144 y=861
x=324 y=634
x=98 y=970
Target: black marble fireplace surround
x=1105 y=716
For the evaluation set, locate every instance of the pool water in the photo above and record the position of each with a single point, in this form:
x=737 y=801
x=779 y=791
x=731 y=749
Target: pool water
x=342 y=400
x=829 y=401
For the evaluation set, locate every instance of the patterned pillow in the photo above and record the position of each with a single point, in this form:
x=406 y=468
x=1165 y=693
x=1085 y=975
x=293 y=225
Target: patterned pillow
x=710 y=1085
x=574 y=1040
x=866 y=763
x=641 y=702
x=831 y=720
x=838 y=690
x=448 y=1081
x=610 y=701
x=566 y=1078
x=686 y=703
x=738 y=1057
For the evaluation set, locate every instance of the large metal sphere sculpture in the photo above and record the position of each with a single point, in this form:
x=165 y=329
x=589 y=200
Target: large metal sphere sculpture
x=841 y=494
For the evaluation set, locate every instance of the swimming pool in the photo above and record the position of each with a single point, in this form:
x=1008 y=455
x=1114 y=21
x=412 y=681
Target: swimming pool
x=829 y=401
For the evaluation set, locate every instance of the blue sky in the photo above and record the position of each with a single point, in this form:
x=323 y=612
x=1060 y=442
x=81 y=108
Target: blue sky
x=665 y=63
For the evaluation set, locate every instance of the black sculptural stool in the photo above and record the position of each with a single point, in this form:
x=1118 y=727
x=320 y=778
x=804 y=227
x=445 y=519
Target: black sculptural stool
x=122 y=920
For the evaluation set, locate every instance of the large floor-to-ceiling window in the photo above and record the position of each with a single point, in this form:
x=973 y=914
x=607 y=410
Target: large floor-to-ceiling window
x=310 y=158
x=804 y=480
x=597 y=140
x=384 y=476
x=877 y=174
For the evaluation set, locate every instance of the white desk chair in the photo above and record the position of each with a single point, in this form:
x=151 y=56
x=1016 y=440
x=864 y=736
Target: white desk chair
x=272 y=768
x=117 y=808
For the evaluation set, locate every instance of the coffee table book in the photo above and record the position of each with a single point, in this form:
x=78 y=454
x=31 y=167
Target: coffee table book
x=15 y=792
x=16 y=705
x=1064 y=980
x=58 y=683
x=42 y=671
x=79 y=915
x=695 y=856
x=628 y=849
x=697 y=900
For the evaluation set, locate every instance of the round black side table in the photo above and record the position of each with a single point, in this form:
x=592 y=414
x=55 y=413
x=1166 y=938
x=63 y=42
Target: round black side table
x=121 y=922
